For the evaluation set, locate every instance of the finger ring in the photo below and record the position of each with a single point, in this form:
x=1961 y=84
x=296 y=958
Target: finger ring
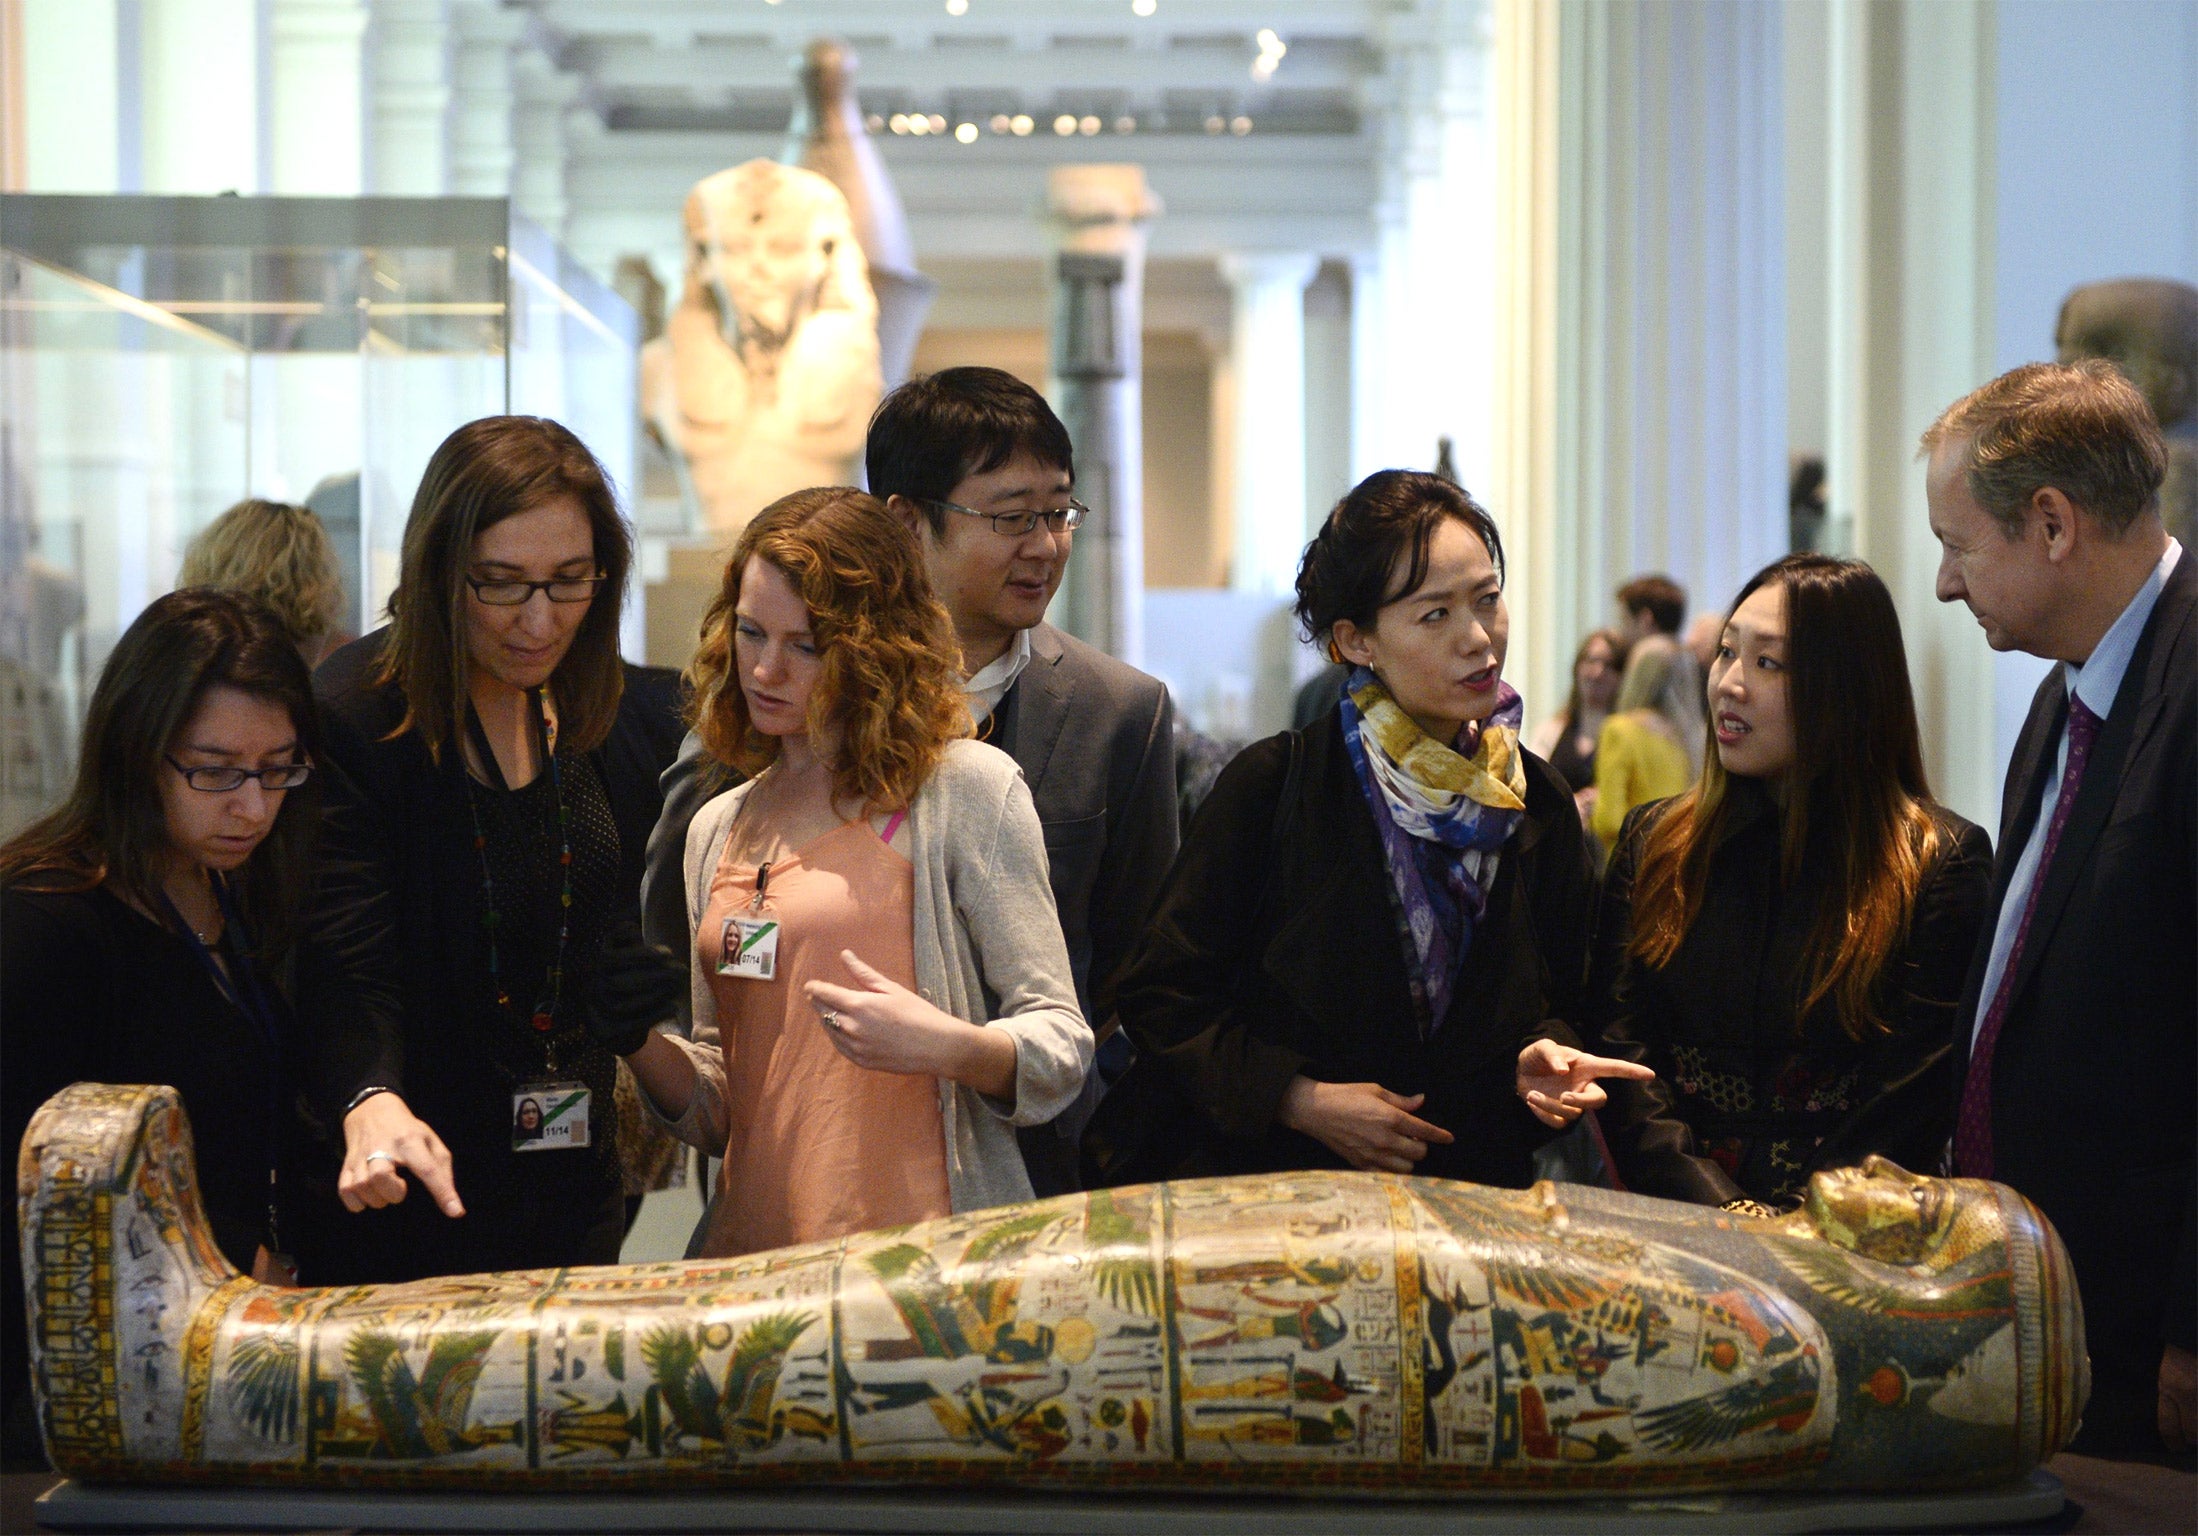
x=831 y=1017
x=384 y=1156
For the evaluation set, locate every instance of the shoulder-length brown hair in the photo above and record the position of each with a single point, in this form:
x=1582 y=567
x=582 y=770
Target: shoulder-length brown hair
x=484 y=472
x=111 y=829
x=1855 y=794
x=889 y=684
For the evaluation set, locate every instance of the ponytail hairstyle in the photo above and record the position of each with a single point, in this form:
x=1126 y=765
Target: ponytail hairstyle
x=1855 y=793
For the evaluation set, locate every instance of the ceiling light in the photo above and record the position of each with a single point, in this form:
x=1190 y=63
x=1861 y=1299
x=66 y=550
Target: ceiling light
x=1125 y=125
x=1240 y=126
x=898 y=122
x=965 y=133
x=1020 y=125
x=1064 y=125
x=1087 y=126
x=1271 y=50
x=874 y=123
x=1000 y=123
x=1143 y=7
x=918 y=124
x=957 y=7
x=1216 y=124
x=1269 y=41
x=938 y=123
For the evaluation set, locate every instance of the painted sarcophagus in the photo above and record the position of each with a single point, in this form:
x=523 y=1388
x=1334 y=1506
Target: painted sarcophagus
x=1328 y=1332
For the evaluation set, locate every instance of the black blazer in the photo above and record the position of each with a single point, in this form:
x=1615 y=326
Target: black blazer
x=1275 y=951
x=1750 y=1096
x=393 y=937
x=2092 y=1079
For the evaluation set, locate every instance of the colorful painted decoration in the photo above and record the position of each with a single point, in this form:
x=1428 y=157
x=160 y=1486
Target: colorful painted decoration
x=1329 y=1331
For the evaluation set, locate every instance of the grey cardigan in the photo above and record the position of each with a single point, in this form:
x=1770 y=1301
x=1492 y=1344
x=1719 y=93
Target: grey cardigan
x=988 y=949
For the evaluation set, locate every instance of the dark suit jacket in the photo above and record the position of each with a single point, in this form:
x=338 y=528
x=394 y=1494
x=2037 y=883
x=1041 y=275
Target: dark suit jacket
x=1095 y=739
x=1275 y=951
x=2092 y=1112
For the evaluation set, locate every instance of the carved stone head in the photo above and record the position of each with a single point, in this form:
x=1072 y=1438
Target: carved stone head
x=2148 y=328
x=768 y=245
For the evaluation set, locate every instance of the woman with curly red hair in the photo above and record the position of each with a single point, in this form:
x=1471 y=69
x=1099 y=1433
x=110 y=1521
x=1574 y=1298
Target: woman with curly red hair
x=857 y=905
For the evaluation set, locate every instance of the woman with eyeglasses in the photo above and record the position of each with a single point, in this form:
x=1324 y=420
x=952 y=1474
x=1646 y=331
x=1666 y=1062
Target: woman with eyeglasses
x=145 y=923
x=474 y=938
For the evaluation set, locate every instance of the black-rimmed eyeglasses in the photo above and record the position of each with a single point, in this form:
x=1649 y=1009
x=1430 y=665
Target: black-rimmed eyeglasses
x=216 y=779
x=1017 y=525
x=511 y=594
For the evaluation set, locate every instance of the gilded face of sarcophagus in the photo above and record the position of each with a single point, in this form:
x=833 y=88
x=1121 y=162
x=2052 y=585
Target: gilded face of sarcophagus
x=1321 y=1330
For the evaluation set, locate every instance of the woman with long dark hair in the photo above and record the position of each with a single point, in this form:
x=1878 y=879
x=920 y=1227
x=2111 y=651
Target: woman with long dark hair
x=1372 y=915
x=881 y=990
x=1785 y=942
x=1568 y=739
x=145 y=924
x=475 y=938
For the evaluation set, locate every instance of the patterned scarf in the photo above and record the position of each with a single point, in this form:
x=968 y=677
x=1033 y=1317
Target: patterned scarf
x=1444 y=815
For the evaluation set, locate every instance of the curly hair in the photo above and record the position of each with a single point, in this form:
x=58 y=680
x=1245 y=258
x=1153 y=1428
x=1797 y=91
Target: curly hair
x=890 y=683
x=276 y=552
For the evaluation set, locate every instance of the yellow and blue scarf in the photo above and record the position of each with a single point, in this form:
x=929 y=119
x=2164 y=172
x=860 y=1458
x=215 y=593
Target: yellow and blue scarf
x=1444 y=814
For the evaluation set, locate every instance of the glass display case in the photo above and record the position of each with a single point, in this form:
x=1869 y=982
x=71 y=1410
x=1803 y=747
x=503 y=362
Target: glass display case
x=164 y=357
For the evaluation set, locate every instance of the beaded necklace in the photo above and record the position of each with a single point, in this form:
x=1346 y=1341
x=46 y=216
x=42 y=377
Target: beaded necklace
x=544 y=1017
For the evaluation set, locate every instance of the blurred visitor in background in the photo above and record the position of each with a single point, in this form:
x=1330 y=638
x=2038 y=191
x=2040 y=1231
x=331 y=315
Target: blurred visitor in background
x=1784 y=943
x=1371 y=915
x=881 y=992
x=1642 y=754
x=1568 y=740
x=281 y=555
x=146 y=924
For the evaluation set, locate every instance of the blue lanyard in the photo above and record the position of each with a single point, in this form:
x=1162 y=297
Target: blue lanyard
x=240 y=988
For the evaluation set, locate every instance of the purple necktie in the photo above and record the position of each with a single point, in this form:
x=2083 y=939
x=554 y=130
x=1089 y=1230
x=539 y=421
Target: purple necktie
x=1973 y=1126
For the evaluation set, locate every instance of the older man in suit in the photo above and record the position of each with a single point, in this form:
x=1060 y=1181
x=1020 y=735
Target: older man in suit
x=982 y=470
x=2081 y=1016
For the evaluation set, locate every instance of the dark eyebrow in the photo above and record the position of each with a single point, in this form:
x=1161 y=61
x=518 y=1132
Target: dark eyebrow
x=290 y=749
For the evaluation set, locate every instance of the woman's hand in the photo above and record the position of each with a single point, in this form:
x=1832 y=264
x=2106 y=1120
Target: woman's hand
x=381 y=1136
x=1363 y=1123
x=882 y=1025
x=1558 y=1082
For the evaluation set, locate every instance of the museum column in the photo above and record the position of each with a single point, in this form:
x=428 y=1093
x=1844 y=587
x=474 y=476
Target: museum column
x=410 y=154
x=1097 y=216
x=202 y=98
x=317 y=81
x=1267 y=441
x=541 y=99
x=1643 y=388
x=1909 y=275
x=483 y=94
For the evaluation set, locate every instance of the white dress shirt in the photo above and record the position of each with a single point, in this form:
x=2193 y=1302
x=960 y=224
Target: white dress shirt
x=989 y=683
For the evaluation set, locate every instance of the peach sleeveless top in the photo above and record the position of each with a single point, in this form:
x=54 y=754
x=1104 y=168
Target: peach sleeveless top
x=819 y=1147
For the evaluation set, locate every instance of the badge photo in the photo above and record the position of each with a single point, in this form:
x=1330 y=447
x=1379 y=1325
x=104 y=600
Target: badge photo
x=549 y=1117
x=749 y=948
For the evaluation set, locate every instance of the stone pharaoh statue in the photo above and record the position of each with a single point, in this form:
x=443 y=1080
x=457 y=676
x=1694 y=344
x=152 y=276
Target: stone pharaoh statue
x=2148 y=328
x=767 y=372
x=1330 y=1331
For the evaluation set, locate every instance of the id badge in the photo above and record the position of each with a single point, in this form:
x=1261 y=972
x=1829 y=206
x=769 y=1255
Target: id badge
x=749 y=948
x=549 y=1117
